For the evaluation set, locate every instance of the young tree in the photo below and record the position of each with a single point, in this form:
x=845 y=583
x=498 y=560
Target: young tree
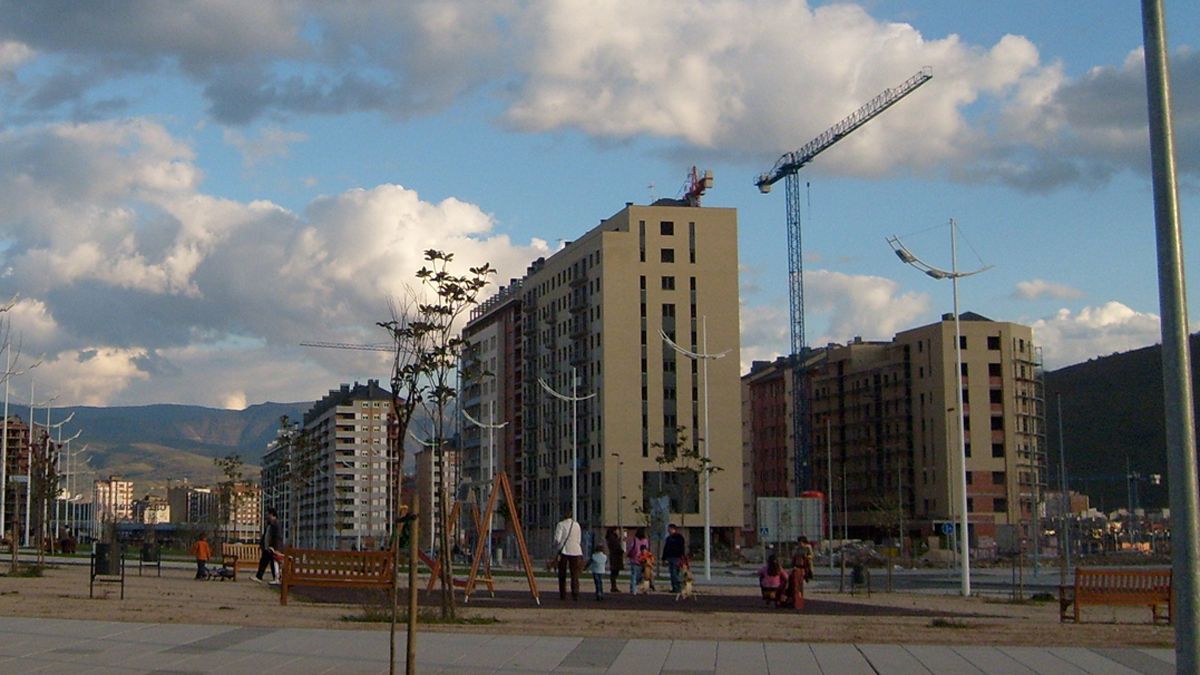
x=44 y=490
x=427 y=355
x=231 y=466
x=689 y=467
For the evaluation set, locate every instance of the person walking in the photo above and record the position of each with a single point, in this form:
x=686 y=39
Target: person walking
x=270 y=543
x=674 y=551
x=633 y=554
x=596 y=566
x=567 y=539
x=616 y=554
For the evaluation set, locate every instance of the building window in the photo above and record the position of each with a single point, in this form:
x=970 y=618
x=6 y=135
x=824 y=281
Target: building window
x=970 y=504
x=666 y=228
x=667 y=255
x=1000 y=505
x=668 y=283
x=997 y=423
x=996 y=396
x=997 y=450
x=970 y=478
x=962 y=342
x=994 y=370
x=993 y=343
x=998 y=478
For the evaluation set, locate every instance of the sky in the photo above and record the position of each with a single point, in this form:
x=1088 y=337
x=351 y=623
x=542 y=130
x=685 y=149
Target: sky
x=189 y=190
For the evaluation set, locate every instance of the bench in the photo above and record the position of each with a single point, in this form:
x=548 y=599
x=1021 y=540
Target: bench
x=335 y=569
x=1118 y=587
x=240 y=556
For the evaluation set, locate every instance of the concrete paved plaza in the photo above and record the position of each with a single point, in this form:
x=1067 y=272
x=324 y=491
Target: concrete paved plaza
x=69 y=646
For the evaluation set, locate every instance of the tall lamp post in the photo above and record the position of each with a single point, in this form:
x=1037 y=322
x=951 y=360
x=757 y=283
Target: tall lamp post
x=9 y=373
x=953 y=275
x=58 y=460
x=574 y=399
x=704 y=357
x=620 y=466
x=491 y=427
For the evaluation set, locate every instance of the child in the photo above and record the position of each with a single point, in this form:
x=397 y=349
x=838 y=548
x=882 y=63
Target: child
x=646 y=560
x=201 y=552
x=792 y=590
x=596 y=566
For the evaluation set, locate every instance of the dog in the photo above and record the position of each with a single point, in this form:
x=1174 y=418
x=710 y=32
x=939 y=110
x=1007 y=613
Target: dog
x=687 y=590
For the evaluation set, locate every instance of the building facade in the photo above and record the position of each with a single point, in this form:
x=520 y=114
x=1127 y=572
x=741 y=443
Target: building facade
x=884 y=431
x=431 y=480
x=344 y=501
x=586 y=324
x=193 y=505
x=113 y=501
x=16 y=472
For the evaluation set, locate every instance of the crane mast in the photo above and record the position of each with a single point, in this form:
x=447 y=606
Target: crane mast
x=786 y=168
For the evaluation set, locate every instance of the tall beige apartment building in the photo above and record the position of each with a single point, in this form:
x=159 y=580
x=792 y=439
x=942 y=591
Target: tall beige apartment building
x=884 y=421
x=586 y=322
x=344 y=500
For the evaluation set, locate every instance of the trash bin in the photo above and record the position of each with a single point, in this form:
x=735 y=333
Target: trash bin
x=108 y=558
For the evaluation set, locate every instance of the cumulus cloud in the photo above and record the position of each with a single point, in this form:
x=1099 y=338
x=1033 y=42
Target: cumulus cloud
x=88 y=375
x=764 y=333
x=864 y=306
x=12 y=55
x=721 y=79
x=1069 y=338
x=1035 y=289
x=845 y=306
x=127 y=268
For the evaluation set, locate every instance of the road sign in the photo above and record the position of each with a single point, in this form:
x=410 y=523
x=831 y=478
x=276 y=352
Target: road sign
x=947 y=528
x=788 y=518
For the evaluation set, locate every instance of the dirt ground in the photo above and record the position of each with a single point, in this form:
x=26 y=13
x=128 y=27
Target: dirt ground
x=725 y=613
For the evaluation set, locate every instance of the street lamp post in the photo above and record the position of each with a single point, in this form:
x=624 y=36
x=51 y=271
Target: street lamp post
x=58 y=459
x=953 y=275
x=574 y=399
x=704 y=357
x=620 y=465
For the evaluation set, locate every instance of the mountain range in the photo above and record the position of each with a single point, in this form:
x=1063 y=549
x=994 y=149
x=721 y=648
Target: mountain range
x=153 y=444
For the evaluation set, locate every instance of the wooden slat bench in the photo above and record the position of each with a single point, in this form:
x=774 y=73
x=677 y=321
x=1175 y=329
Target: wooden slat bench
x=1118 y=587
x=240 y=557
x=337 y=569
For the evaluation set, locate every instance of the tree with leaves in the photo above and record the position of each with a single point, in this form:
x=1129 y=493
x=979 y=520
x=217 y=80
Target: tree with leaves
x=231 y=467
x=427 y=355
x=690 y=467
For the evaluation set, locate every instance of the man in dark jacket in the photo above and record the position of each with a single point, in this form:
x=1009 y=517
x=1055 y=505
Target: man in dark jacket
x=673 y=552
x=271 y=542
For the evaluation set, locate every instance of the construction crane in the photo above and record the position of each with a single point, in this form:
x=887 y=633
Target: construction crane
x=697 y=184
x=787 y=167
x=349 y=345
